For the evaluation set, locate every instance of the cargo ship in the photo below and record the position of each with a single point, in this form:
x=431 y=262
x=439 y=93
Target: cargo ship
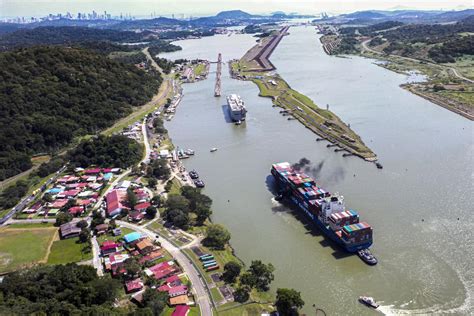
x=323 y=209
x=237 y=109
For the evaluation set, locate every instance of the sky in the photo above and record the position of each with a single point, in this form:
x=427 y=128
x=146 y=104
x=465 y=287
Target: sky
x=27 y=8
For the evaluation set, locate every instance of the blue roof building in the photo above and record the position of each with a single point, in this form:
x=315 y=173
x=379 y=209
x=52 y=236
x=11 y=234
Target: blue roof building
x=132 y=237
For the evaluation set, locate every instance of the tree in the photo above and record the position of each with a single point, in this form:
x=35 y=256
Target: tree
x=159 y=169
x=132 y=198
x=202 y=214
x=85 y=235
x=263 y=274
x=82 y=224
x=168 y=186
x=231 y=271
x=156 y=200
x=48 y=198
x=63 y=218
x=248 y=279
x=288 y=302
x=112 y=224
x=242 y=294
x=152 y=182
x=217 y=236
x=132 y=267
x=151 y=212
x=97 y=219
x=177 y=202
x=179 y=218
x=155 y=300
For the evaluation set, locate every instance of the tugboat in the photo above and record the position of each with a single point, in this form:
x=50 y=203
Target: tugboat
x=199 y=183
x=367 y=257
x=368 y=301
x=193 y=174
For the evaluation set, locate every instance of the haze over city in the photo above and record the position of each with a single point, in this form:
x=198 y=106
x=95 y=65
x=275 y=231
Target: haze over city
x=9 y=8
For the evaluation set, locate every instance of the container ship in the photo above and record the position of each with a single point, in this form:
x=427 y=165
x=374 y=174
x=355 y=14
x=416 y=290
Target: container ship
x=325 y=210
x=237 y=109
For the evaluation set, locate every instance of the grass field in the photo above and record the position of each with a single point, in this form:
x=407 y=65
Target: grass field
x=32 y=225
x=68 y=250
x=23 y=247
x=105 y=237
x=243 y=310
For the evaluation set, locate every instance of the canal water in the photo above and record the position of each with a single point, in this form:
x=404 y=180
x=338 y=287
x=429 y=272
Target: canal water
x=420 y=204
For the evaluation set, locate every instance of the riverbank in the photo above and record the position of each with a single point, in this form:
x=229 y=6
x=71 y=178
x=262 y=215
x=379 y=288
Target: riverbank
x=444 y=85
x=294 y=104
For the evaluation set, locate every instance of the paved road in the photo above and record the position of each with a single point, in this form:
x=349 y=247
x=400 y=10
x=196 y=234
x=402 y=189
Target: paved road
x=96 y=259
x=202 y=297
x=454 y=71
x=24 y=202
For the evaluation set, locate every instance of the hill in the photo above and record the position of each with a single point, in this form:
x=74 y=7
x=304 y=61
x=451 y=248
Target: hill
x=233 y=14
x=49 y=95
x=64 y=35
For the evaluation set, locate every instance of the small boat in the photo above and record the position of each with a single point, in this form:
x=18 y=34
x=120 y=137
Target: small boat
x=193 y=174
x=367 y=257
x=213 y=149
x=199 y=183
x=379 y=165
x=189 y=152
x=369 y=301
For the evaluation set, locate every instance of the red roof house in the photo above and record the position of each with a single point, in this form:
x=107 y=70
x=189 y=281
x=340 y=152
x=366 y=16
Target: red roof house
x=76 y=210
x=58 y=204
x=142 y=206
x=92 y=171
x=181 y=310
x=134 y=285
x=109 y=246
x=114 y=202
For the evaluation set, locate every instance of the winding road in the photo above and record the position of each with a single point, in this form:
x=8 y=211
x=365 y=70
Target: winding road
x=202 y=297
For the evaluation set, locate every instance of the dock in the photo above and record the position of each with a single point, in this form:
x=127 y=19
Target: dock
x=217 y=88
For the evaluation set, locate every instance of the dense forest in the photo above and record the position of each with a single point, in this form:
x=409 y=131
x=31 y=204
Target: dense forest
x=58 y=290
x=453 y=48
x=65 y=35
x=115 y=151
x=48 y=95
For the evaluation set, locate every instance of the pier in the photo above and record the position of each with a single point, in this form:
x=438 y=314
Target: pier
x=217 y=88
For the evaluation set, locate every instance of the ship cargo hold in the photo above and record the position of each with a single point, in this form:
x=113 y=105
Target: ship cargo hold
x=327 y=211
x=237 y=110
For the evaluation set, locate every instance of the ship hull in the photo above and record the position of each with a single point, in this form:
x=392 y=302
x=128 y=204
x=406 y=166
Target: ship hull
x=328 y=232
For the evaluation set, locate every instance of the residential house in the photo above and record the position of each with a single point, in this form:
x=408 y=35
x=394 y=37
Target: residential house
x=144 y=246
x=133 y=285
x=142 y=206
x=109 y=247
x=179 y=300
x=132 y=237
x=136 y=216
x=114 y=201
x=101 y=229
x=69 y=230
x=76 y=210
x=181 y=310
x=151 y=257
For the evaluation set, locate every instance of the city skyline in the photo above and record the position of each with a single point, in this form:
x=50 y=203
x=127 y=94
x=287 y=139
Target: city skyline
x=144 y=8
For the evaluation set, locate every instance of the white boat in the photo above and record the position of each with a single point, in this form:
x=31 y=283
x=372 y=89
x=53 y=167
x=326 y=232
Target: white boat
x=237 y=108
x=369 y=301
x=213 y=149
